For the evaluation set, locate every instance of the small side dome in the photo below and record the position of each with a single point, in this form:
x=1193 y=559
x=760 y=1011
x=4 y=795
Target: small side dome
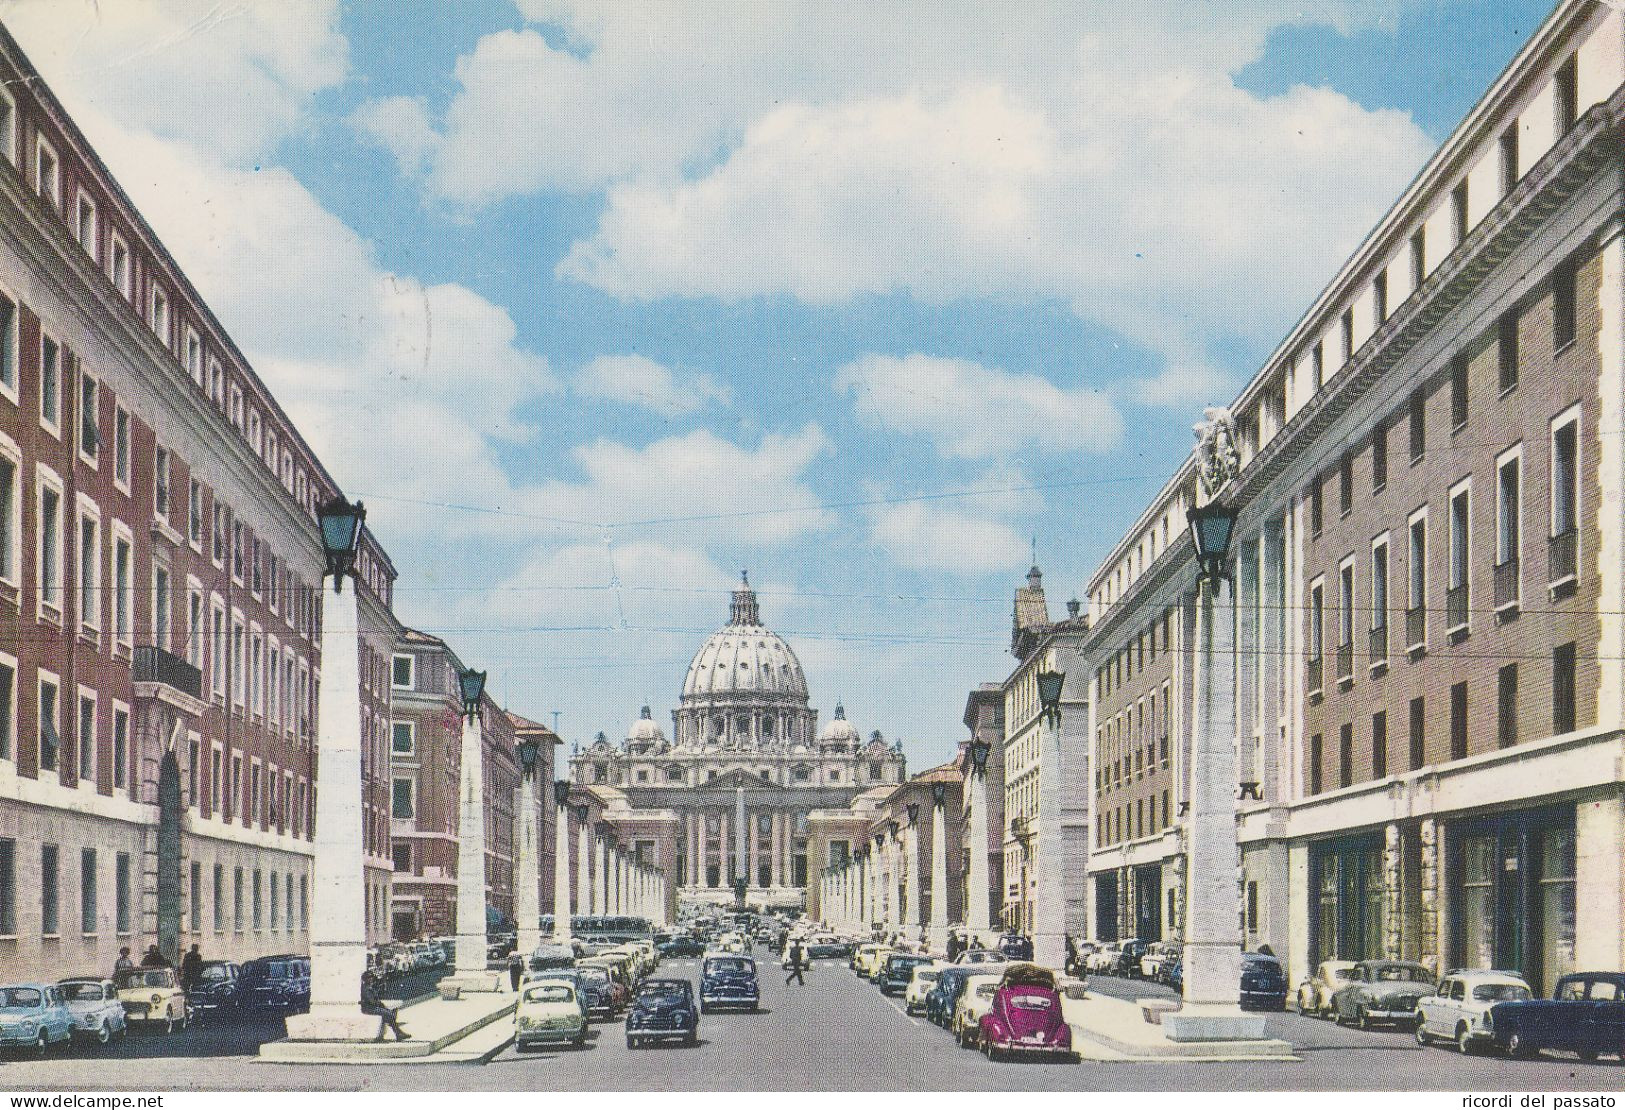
x=644 y=731
x=839 y=731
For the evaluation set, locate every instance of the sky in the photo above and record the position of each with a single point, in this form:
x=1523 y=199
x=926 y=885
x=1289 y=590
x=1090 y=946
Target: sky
x=597 y=304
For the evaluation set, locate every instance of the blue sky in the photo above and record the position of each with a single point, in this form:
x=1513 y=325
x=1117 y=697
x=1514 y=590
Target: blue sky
x=597 y=304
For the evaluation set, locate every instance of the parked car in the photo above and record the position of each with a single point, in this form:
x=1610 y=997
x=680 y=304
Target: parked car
x=1585 y=1015
x=548 y=1013
x=1014 y=946
x=1173 y=973
x=941 y=998
x=1103 y=958
x=1314 y=995
x=1460 y=1011
x=564 y=975
x=869 y=958
x=662 y=1008
x=1263 y=982
x=33 y=1015
x=728 y=981
x=1156 y=954
x=1078 y=962
x=1127 y=964
x=152 y=995
x=972 y=956
x=1025 y=1016
x=922 y=978
x=599 y=991
x=93 y=1005
x=549 y=956
x=275 y=984
x=974 y=1000
x=1382 y=992
x=620 y=988
x=216 y=987
x=830 y=949
x=680 y=948
x=898 y=971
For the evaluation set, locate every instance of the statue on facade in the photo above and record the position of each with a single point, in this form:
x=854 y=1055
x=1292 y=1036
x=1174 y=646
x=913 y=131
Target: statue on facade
x=1217 y=460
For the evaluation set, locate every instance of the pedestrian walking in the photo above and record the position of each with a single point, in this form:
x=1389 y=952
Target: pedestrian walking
x=123 y=963
x=191 y=968
x=372 y=1004
x=797 y=964
x=516 y=970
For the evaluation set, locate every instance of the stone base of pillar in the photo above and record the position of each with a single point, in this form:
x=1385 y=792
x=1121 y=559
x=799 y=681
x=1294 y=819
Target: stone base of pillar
x=476 y=982
x=937 y=940
x=334 y=1023
x=1212 y=1023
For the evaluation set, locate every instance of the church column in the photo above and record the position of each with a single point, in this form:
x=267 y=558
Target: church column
x=779 y=877
x=724 y=872
x=753 y=842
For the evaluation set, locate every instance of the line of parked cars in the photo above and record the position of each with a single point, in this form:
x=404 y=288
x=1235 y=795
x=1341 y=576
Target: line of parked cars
x=403 y=958
x=1475 y=1010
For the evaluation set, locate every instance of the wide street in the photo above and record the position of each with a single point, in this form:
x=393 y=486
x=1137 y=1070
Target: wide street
x=837 y=1033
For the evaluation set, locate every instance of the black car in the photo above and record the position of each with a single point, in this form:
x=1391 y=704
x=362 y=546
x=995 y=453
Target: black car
x=1014 y=946
x=1127 y=964
x=1263 y=983
x=944 y=994
x=596 y=992
x=728 y=981
x=898 y=971
x=679 y=947
x=216 y=986
x=279 y=984
x=662 y=1009
x=829 y=951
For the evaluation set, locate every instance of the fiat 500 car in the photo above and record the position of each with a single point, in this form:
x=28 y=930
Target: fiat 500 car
x=548 y=1013
x=94 y=1007
x=922 y=979
x=152 y=995
x=662 y=1009
x=1025 y=1017
x=33 y=1015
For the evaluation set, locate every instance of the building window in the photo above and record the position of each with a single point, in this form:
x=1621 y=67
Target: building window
x=86 y=738
x=219 y=898
x=1458 y=393
x=8 y=710
x=10 y=333
x=85 y=224
x=403 y=738
x=258 y=905
x=1345 y=332
x=48 y=176
x=123 y=589
x=8 y=887
x=401 y=676
x=1314 y=763
x=160 y=483
x=118 y=265
x=87 y=891
x=1566 y=97
x=1563 y=709
x=1460 y=528
x=1506 y=706
x=1417 y=560
x=90 y=573
x=1418 y=729
x=237 y=898
x=161 y=602
x=1379 y=745
x=1458 y=211
x=8 y=144
x=1509 y=159
x=121 y=747
x=49 y=905
x=159 y=318
x=1316 y=509
x=1564 y=303
x=403 y=804
x=194 y=894
x=121 y=893
x=1345 y=484
x=401 y=855
x=1506 y=335
x=1563 y=557
x=50 y=385
x=1379 y=297
x=1317 y=365
x=90 y=437
x=50 y=740
x=1345 y=756
x=1458 y=721
x=1418 y=425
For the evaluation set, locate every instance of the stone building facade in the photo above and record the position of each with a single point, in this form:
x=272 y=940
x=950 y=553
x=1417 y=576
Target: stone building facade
x=733 y=794
x=1429 y=574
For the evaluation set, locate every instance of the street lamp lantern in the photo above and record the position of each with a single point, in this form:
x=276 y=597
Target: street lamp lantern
x=979 y=751
x=341 y=523
x=472 y=685
x=939 y=792
x=1049 y=695
x=1211 y=526
x=891 y=827
x=914 y=813
x=529 y=749
x=561 y=792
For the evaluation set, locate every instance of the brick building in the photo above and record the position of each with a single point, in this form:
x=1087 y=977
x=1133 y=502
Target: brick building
x=1429 y=570
x=426 y=736
x=159 y=569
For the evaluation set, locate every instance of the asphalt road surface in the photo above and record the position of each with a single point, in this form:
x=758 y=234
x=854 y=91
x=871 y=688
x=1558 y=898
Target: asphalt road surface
x=837 y=1033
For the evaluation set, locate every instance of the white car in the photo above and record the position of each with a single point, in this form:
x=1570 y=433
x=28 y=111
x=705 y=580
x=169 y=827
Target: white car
x=97 y=1012
x=974 y=1003
x=925 y=977
x=1315 y=993
x=1460 y=1012
x=1104 y=958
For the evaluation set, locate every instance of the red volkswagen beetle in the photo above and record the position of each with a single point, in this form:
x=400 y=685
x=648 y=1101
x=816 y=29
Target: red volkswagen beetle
x=1025 y=1018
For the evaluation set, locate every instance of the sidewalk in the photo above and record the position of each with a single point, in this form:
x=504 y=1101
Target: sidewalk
x=1106 y=1028
x=472 y=1028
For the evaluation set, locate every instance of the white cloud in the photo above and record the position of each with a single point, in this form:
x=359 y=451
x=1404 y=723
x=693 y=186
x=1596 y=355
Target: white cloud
x=636 y=380
x=1183 y=386
x=971 y=411
x=229 y=77
x=400 y=124
x=928 y=537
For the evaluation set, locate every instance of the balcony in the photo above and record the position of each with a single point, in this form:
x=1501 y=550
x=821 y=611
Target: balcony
x=1377 y=646
x=1416 y=629
x=154 y=664
x=1562 y=561
x=1315 y=675
x=1507 y=585
x=1455 y=610
x=1345 y=663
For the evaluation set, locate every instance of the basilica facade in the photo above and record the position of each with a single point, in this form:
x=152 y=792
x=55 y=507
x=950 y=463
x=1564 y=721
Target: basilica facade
x=747 y=786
